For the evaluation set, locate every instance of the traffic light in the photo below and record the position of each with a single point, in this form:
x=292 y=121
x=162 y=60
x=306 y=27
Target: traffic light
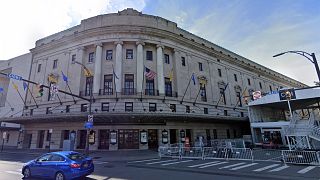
x=40 y=90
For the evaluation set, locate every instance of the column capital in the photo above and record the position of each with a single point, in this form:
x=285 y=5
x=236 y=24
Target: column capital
x=118 y=42
x=81 y=48
x=140 y=42
x=99 y=44
x=160 y=45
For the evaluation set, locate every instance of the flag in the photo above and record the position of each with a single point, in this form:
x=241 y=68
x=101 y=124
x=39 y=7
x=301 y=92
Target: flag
x=171 y=75
x=114 y=74
x=1 y=89
x=52 y=78
x=87 y=72
x=25 y=85
x=15 y=86
x=64 y=77
x=193 y=77
x=149 y=74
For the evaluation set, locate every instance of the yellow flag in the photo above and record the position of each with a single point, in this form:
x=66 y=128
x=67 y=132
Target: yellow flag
x=87 y=72
x=171 y=75
x=52 y=78
x=15 y=86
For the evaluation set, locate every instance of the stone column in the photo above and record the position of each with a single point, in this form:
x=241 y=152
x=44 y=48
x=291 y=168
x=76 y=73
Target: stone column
x=140 y=66
x=118 y=66
x=79 y=77
x=160 y=69
x=97 y=69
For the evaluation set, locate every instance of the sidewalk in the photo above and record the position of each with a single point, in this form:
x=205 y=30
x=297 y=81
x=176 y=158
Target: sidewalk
x=105 y=156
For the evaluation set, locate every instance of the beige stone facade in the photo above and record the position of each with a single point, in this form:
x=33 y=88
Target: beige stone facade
x=127 y=43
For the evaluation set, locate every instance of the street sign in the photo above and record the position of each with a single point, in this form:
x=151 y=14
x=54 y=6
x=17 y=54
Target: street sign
x=90 y=118
x=88 y=125
x=287 y=94
x=14 y=76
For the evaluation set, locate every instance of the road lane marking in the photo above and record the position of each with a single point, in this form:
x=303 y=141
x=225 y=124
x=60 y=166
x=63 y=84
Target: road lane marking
x=304 y=170
x=143 y=160
x=244 y=166
x=233 y=165
x=100 y=162
x=13 y=172
x=203 y=164
x=166 y=164
x=265 y=168
x=279 y=168
x=158 y=162
x=215 y=164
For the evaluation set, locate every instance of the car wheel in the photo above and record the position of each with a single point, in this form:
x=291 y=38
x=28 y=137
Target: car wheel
x=26 y=173
x=59 y=176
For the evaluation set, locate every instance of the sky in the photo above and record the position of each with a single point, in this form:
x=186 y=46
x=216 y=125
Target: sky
x=254 y=29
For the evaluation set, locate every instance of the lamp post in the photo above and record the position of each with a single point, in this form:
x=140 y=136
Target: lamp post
x=90 y=76
x=311 y=57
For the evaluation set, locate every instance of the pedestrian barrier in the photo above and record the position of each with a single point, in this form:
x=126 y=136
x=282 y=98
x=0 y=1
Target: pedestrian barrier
x=286 y=156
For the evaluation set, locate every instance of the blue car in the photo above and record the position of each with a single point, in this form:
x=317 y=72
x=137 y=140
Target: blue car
x=59 y=166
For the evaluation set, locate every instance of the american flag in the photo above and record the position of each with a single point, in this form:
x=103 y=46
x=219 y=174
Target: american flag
x=149 y=74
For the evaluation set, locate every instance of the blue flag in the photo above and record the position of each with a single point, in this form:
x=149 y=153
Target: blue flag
x=1 y=89
x=25 y=85
x=64 y=77
x=193 y=77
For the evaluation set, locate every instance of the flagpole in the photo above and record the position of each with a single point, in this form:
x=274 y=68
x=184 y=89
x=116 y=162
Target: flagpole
x=185 y=90
x=197 y=96
x=115 y=87
x=19 y=94
x=71 y=93
x=240 y=97
x=33 y=97
x=221 y=95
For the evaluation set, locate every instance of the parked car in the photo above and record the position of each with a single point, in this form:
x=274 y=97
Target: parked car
x=62 y=165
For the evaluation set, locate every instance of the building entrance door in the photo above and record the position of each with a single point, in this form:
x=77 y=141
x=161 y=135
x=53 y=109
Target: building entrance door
x=173 y=136
x=104 y=139
x=40 y=138
x=153 y=138
x=27 y=141
x=82 y=139
x=128 y=139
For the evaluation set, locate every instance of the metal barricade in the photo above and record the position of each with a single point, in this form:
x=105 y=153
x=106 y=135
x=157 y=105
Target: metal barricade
x=214 y=153
x=301 y=157
x=173 y=152
x=227 y=153
x=267 y=155
x=191 y=153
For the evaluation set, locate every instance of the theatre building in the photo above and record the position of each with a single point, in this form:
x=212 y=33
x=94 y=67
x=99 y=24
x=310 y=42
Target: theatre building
x=153 y=84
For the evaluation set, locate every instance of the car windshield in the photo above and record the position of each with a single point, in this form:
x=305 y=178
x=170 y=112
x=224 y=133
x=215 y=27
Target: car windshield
x=76 y=156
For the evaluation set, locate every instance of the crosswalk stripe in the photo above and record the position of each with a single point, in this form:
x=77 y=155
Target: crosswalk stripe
x=158 y=162
x=265 y=168
x=166 y=164
x=100 y=162
x=244 y=166
x=212 y=165
x=203 y=164
x=304 y=170
x=233 y=165
x=279 y=168
x=143 y=160
x=13 y=172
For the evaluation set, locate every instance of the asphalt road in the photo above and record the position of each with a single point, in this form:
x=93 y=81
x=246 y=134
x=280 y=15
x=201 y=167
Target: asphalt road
x=156 y=169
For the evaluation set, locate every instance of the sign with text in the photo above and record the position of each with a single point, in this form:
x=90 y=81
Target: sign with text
x=14 y=76
x=287 y=94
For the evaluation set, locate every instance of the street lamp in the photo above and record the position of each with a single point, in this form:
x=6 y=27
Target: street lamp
x=90 y=76
x=306 y=55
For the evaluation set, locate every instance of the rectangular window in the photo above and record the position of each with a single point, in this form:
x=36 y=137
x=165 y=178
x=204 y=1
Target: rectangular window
x=225 y=112
x=149 y=55
x=200 y=67
x=173 y=108
x=49 y=110
x=128 y=106
x=129 y=53
x=88 y=86
x=205 y=110
x=215 y=134
x=91 y=57
x=166 y=58
x=168 y=87
x=235 y=78
x=149 y=87
x=228 y=133
x=73 y=58
x=183 y=61
x=223 y=96
x=270 y=88
x=105 y=107
x=260 y=85
x=152 y=107
x=187 y=109
x=249 y=82
x=239 y=99
x=109 y=55
x=39 y=67
x=128 y=84
x=108 y=84
x=67 y=108
x=55 y=64
x=219 y=73
x=203 y=92
x=84 y=107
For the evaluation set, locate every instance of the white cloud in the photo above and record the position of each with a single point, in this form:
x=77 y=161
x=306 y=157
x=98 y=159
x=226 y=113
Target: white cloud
x=24 y=22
